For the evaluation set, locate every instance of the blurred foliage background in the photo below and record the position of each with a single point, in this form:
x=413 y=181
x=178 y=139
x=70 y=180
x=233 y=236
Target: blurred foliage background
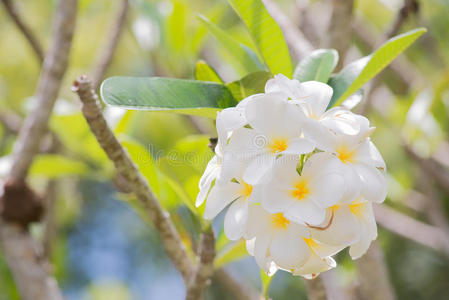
x=99 y=243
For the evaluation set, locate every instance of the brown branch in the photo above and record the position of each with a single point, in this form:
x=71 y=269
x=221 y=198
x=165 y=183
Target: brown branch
x=55 y=65
x=205 y=267
x=27 y=265
x=340 y=31
x=296 y=41
x=20 y=204
x=429 y=166
x=106 y=55
x=373 y=280
x=412 y=229
x=315 y=289
x=49 y=218
x=239 y=291
x=26 y=31
x=409 y=8
x=125 y=166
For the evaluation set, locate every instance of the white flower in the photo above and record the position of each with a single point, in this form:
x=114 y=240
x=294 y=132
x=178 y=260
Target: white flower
x=240 y=194
x=360 y=154
x=275 y=129
x=303 y=198
x=313 y=98
x=348 y=225
x=278 y=243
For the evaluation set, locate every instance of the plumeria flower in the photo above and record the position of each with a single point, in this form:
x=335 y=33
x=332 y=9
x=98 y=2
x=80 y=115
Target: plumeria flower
x=278 y=243
x=348 y=225
x=275 y=129
x=360 y=154
x=240 y=194
x=304 y=197
x=313 y=98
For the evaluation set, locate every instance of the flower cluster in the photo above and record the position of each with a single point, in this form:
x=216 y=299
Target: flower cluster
x=299 y=179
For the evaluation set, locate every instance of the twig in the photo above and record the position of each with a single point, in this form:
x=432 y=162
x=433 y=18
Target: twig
x=49 y=218
x=126 y=167
x=412 y=229
x=20 y=205
x=31 y=38
x=55 y=64
x=410 y=7
x=105 y=57
x=205 y=267
x=27 y=265
x=429 y=166
x=373 y=282
x=239 y=291
x=340 y=31
x=294 y=37
x=315 y=289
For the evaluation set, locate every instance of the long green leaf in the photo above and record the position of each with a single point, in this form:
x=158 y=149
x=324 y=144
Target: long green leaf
x=204 y=72
x=167 y=94
x=54 y=166
x=317 y=66
x=246 y=58
x=251 y=84
x=266 y=33
x=232 y=252
x=356 y=74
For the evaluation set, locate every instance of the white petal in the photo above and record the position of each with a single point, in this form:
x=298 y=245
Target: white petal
x=288 y=250
x=341 y=121
x=314 y=266
x=327 y=190
x=261 y=253
x=259 y=168
x=219 y=198
x=374 y=185
x=274 y=118
x=343 y=230
x=276 y=200
x=235 y=219
x=258 y=222
x=317 y=95
x=228 y=120
x=305 y=211
x=209 y=175
x=299 y=146
x=367 y=153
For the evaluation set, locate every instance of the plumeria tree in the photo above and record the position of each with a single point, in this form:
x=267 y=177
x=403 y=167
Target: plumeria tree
x=283 y=168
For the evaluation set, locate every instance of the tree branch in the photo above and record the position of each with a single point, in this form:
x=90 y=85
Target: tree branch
x=315 y=289
x=412 y=229
x=20 y=205
x=27 y=265
x=239 y=291
x=125 y=166
x=340 y=31
x=106 y=55
x=205 y=267
x=55 y=65
x=373 y=282
x=294 y=37
x=31 y=38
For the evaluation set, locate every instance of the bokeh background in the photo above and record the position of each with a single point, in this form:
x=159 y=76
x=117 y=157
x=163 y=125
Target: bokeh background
x=100 y=245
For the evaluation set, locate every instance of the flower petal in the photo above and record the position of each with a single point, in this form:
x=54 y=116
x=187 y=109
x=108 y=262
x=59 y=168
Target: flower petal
x=219 y=198
x=235 y=219
x=327 y=190
x=305 y=211
x=374 y=185
x=288 y=250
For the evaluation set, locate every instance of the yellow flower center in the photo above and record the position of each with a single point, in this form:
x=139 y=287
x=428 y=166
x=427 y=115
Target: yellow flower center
x=345 y=155
x=357 y=209
x=279 y=221
x=310 y=242
x=246 y=189
x=278 y=145
x=300 y=190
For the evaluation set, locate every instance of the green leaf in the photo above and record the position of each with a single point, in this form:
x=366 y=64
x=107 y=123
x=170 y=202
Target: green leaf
x=266 y=33
x=356 y=74
x=241 y=53
x=232 y=252
x=54 y=165
x=251 y=84
x=168 y=191
x=317 y=66
x=167 y=94
x=204 y=72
